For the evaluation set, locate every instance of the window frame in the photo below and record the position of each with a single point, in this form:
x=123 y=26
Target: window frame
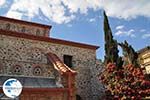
x=67 y=59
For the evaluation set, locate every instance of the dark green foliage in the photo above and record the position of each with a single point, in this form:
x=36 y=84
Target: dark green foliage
x=111 y=45
x=129 y=53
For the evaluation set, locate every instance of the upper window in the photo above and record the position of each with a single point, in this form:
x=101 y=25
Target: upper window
x=7 y=26
x=68 y=60
x=35 y=54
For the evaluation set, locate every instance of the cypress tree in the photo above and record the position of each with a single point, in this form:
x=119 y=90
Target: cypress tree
x=111 y=45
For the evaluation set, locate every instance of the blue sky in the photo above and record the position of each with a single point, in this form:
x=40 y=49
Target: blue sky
x=82 y=20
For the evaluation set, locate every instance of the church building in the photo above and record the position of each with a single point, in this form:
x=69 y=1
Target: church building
x=48 y=68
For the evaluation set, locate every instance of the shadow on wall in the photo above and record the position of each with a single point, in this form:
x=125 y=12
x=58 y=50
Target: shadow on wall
x=78 y=97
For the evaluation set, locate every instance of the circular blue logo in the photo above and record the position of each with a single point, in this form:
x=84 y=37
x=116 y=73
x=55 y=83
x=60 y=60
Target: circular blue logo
x=12 y=88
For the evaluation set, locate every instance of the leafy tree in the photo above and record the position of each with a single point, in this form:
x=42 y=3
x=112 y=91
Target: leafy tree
x=128 y=83
x=123 y=80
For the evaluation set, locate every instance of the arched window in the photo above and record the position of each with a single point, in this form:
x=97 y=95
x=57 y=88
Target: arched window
x=37 y=71
x=38 y=33
x=7 y=26
x=17 y=69
x=23 y=29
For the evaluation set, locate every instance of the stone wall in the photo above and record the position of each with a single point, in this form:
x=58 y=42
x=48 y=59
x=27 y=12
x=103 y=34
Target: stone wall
x=16 y=26
x=97 y=88
x=30 y=54
x=22 y=58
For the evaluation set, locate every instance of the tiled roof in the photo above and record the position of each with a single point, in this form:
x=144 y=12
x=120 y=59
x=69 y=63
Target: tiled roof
x=24 y=22
x=144 y=49
x=58 y=64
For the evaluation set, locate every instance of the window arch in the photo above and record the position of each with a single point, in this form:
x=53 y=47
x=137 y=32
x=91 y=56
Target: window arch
x=7 y=26
x=37 y=71
x=17 y=69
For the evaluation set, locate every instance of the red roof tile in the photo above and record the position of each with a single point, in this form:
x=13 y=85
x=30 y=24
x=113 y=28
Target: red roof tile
x=58 y=64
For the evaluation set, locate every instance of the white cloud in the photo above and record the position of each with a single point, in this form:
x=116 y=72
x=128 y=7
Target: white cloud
x=52 y=9
x=69 y=25
x=92 y=20
x=119 y=27
x=132 y=35
x=119 y=32
x=130 y=32
x=126 y=9
x=63 y=11
x=125 y=33
x=146 y=36
x=117 y=8
x=122 y=32
x=2 y=2
x=81 y=6
x=142 y=30
x=14 y=14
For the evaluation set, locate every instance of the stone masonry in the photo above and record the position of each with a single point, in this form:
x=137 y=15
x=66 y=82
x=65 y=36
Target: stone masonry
x=28 y=53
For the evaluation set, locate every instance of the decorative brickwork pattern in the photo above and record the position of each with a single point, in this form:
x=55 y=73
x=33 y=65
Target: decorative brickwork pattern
x=29 y=53
x=21 y=28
